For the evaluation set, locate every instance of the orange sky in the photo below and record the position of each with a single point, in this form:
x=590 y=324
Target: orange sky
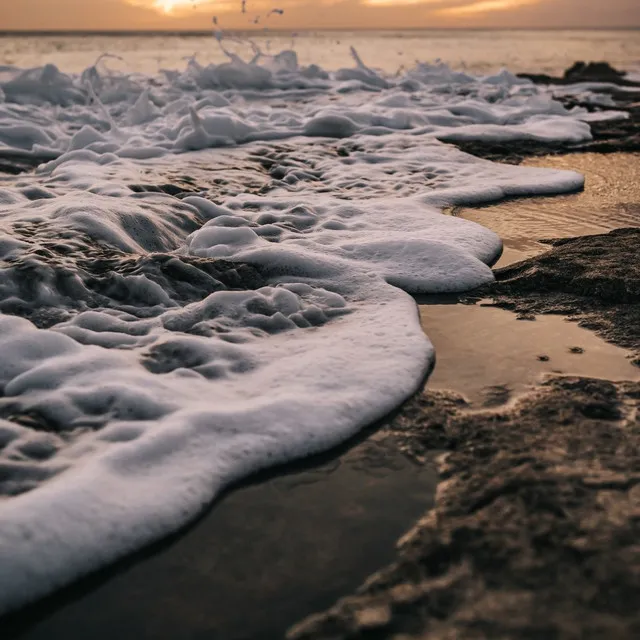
x=316 y=14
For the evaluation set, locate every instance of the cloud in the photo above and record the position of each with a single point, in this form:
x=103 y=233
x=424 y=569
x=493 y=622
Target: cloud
x=76 y=15
x=316 y=14
x=485 y=6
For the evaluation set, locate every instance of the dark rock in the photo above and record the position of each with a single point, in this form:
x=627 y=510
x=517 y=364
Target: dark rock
x=98 y=279
x=534 y=533
x=609 y=136
x=592 y=279
x=584 y=72
x=170 y=189
x=15 y=162
x=605 y=267
x=593 y=72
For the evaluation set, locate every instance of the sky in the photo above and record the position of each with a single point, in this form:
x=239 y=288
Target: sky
x=315 y=14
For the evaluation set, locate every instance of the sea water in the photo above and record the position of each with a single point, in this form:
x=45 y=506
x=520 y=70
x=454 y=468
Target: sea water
x=209 y=273
x=478 y=51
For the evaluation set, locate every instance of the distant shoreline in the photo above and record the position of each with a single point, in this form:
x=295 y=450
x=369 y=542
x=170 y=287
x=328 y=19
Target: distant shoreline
x=272 y=32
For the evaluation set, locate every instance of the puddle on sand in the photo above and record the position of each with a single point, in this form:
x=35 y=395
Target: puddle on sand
x=265 y=556
x=610 y=200
x=487 y=354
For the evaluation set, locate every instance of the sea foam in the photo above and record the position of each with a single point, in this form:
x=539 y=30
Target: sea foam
x=209 y=274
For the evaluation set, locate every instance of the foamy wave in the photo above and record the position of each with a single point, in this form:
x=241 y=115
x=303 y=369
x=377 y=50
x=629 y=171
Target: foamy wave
x=171 y=323
x=238 y=102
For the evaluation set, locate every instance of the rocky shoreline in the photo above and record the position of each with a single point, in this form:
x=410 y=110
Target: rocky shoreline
x=537 y=516
x=534 y=532
x=609 y=136
x=592 y=279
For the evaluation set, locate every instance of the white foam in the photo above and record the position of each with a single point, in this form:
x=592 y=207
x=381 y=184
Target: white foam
x=237 y=101
x=154 y=386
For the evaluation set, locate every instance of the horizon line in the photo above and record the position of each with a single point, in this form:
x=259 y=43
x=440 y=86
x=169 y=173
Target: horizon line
x=206 y=32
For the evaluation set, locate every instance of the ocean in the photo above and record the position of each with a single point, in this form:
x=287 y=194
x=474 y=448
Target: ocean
x=549 y=51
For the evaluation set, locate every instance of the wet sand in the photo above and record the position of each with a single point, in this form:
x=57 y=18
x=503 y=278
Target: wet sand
x=488 y=355
x=610 y=200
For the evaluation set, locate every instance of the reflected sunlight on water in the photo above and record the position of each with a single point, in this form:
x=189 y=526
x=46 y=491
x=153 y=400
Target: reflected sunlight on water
x=477 y=51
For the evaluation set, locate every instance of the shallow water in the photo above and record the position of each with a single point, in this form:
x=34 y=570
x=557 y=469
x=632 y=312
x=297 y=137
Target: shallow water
x=273 y=551
x=140 y=380
x=610 y=200
x=478 y=51
x=268 y=554
x=488 y=355
x=276 y=550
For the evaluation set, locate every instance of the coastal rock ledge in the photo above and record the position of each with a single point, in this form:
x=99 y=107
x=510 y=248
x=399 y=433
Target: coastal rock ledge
x=536 y=524
x=535 y=529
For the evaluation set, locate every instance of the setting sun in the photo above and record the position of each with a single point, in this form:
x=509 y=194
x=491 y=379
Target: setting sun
x=167 y=6
x=183 y=7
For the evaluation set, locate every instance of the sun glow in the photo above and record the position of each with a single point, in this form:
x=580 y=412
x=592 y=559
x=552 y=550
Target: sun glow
x=484 y=6
x=167 y=6
x=171 y=7
x=458 y=8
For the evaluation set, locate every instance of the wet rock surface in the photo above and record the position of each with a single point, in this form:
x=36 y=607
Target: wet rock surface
x=534 y=533
x=593 y=279
x=582 y=71
x=609 y=136
x=535 y=528
x=100 y=280
x=13 y=162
